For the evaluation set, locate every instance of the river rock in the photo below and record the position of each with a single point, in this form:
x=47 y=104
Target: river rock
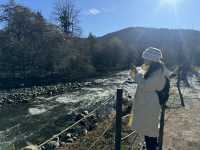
x=31 y=147
x=74 y=138
x=85 y=112
x=70 y=140
x=53 y=145
x=80 y=116
x=84 y=131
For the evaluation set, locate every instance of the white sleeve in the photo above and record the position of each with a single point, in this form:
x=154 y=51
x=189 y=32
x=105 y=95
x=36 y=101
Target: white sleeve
x=167 y=72
x=153 y=83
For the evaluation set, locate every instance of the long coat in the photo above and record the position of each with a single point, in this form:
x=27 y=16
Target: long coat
x=146 y=107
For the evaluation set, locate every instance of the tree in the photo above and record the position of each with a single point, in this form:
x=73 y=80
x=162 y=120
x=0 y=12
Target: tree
x=31 y=45
x=110 y=55
x=33 y=50
x=92 y=42
x=67 y=16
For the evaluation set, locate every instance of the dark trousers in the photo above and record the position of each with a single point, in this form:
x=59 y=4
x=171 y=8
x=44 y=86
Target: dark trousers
x=151 y=142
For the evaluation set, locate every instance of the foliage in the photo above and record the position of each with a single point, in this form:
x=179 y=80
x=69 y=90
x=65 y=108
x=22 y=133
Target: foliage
x=31 y=48
x=34 y=51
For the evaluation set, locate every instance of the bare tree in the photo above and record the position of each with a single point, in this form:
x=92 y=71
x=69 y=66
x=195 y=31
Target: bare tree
x=6 y=9
x=67 y=16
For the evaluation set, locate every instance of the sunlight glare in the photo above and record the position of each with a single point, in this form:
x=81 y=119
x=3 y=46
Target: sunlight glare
x=170 y=3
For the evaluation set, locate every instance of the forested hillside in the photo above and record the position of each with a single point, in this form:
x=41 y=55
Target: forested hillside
x=34 y=51
x=178 y=46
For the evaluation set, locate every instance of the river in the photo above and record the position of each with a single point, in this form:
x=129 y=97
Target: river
x=42 y=117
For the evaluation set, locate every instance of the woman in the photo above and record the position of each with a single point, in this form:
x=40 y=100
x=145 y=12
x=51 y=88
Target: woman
x=146 y=106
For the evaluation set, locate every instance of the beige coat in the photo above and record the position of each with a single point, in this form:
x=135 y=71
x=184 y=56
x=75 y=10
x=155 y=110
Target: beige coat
x=146 y=107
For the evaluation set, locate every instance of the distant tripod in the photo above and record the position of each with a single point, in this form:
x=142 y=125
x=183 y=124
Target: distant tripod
x=181 y=75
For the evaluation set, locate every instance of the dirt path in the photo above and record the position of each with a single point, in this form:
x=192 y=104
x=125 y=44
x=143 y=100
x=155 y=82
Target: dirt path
x=182 y=128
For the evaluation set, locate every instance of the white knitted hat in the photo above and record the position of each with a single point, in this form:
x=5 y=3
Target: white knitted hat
x=152 y=54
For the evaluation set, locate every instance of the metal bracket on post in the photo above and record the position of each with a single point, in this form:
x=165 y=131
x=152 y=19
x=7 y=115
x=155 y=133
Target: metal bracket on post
x=118 y=119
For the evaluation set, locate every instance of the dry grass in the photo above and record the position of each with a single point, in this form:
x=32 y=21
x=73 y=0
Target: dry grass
x=86 y=141
x=102 y=138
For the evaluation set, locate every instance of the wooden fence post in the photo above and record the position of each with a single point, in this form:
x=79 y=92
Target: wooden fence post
x=118 y=119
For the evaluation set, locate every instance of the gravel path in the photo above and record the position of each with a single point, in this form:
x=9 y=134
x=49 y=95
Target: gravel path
x=182 y=128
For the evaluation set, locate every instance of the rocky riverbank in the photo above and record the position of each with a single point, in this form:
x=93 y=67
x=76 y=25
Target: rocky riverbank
x=25 y=95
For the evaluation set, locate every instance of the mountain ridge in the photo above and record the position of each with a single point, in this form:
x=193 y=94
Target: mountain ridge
x=176 y=44
x=154 y=28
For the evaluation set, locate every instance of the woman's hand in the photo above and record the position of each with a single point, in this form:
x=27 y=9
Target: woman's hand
x=133 y=72
x=130 y=120
x=145 y=67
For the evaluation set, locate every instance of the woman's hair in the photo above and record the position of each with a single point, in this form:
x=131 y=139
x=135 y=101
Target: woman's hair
x=154 y=66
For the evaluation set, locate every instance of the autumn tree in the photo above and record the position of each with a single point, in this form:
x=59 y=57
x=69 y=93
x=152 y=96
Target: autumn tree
x=30 y=44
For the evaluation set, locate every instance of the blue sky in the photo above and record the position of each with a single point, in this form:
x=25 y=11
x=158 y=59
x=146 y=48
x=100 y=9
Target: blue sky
x=104 y=16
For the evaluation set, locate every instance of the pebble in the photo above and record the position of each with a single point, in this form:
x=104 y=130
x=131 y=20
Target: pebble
x=53 y=145
x=69 y=135
x=70 y=140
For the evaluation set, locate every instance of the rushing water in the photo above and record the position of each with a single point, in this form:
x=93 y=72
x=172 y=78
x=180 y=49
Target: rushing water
x=39 y=119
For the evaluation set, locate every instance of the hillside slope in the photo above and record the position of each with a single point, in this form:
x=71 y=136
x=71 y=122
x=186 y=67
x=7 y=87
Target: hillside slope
x=175 y=43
